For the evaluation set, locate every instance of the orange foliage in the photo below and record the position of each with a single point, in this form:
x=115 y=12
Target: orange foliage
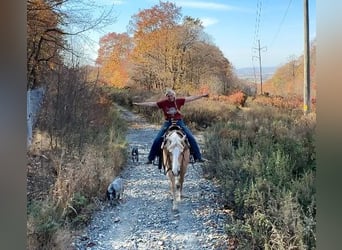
x=162 y=16
x=113 y=56
x=204 y=89
x=238 y=98
x=44 y=40
x=280 y=102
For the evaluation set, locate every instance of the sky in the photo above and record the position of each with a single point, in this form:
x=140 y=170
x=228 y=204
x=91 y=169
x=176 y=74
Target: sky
x=235 y=26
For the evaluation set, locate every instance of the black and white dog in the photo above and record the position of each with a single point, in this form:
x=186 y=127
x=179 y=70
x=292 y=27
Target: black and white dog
x=135 y=154
x=115 y=190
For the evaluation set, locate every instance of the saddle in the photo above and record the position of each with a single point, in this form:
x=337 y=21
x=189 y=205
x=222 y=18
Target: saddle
x=180 y=131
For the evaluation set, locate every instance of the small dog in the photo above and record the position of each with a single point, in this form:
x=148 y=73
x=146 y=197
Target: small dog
x=135 y=154
x=115 y=190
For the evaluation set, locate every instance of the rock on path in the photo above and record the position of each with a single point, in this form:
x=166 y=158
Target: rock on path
x=144 y=218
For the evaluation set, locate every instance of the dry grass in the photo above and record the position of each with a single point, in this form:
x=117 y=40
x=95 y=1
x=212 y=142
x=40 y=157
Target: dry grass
x=65 y=186
x=264 y=158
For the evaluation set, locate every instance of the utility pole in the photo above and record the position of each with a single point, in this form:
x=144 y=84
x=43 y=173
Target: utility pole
x=255 y=83
x=260 y=69
x=306 y=107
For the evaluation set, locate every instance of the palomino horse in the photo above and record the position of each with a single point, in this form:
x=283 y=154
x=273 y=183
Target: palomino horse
x=176 y=156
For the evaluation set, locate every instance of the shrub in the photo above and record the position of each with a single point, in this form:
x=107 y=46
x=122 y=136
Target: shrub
x=85 y=152
x=42 y=224
x=238 y=98
x=265 y=162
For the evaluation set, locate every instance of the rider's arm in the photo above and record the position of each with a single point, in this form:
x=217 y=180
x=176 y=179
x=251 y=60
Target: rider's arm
x=146 y=104
x=195 y=97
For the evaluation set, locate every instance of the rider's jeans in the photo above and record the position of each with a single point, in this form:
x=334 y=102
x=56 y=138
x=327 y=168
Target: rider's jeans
x=155 y=149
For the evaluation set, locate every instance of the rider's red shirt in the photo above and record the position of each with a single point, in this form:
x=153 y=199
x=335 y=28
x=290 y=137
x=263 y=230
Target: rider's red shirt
x=171 y=110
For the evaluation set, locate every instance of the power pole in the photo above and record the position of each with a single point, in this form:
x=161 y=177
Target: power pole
x=260 y=69
x=255 y=82
x=307 y=102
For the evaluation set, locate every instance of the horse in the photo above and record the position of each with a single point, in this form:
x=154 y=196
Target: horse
x=175 y=159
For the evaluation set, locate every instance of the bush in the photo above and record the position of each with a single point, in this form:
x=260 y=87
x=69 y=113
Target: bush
x=85 y=150
x=265 y=162
x=238 y=98
x=42 y=224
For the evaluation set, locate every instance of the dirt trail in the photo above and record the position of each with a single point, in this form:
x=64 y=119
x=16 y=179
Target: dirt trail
x=144 y=219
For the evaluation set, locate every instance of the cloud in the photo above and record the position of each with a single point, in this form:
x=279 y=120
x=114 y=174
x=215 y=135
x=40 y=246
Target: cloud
x=207 y=21
x=205 y=5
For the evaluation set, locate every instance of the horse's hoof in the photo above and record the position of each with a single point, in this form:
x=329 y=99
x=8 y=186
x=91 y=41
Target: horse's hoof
x=174 y=206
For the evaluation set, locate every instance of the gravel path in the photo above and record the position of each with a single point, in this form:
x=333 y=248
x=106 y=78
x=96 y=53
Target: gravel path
x=144 y=218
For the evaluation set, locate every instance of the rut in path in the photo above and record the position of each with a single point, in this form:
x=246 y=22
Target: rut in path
x=144 y=218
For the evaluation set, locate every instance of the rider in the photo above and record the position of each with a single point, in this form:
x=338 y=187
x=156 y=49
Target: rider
x=171 y=109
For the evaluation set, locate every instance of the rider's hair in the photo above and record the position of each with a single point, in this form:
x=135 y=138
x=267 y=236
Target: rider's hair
x=170 y=91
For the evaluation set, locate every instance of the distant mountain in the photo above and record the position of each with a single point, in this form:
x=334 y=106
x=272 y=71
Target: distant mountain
x=249 y=73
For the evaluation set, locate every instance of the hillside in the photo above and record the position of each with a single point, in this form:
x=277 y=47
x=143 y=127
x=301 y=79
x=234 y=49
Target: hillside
x=288 y=79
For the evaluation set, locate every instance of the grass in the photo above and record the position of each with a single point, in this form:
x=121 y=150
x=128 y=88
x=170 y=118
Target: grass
x=67 y=180
x=265 y=161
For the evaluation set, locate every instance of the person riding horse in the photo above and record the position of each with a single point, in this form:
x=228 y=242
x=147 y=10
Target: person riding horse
x=171 y=109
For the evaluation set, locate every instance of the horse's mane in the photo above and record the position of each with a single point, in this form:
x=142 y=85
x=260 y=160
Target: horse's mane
x=176 y=138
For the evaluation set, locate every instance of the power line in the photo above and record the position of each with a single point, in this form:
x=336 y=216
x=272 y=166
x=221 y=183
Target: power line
x=256 y=41
x=281 y=23
x=260 y=67
x=256 y=28
x=257 y=21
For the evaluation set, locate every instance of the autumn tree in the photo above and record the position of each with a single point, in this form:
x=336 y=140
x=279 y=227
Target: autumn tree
x=162 y=45
x=113 y=58
x=50 y=26
x=207 y=65
x=44 y=39
x=151 y=30
x=182 y=43
x=171 y=51
x=164 y=50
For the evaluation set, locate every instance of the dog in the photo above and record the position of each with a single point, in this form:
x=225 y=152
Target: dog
x=115 y=190
x=135 y=154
